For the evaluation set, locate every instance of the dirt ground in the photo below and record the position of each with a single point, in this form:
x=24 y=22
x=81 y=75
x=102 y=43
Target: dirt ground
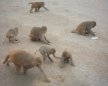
x=90 y=56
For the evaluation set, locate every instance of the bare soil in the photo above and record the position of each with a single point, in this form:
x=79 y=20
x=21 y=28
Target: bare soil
x=90 y=56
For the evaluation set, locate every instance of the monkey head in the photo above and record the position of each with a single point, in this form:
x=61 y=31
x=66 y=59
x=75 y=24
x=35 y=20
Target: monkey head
x=52 y=51
x=93 y=23
x=66 y=55
x=42 y=3
x=44 y=29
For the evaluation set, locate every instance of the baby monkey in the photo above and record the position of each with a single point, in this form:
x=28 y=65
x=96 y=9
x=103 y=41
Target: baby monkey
x=38 y=34
x=66 y=57
x=11 y=35
x=85 y=28
x=37 y=6
x=26 y=60
x=46 y=51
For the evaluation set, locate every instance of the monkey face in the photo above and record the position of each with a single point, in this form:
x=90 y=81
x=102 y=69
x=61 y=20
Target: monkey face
x=44 y=29
x=42 y=4
x=52 y=51
x=93 y=23
x=66 y=55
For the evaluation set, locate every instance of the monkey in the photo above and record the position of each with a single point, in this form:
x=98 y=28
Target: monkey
x=46 y=51
x=66 y=57
x=38 y=34
x=26 y=60
x=37 y=6
x=11 y=35
x=84 y=28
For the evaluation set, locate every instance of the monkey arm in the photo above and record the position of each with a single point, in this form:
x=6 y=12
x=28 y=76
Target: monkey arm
x=46 y=39
x=56 y=56
x=50 y=58
x=41 y=70
x=44 y=55
x=45 y=8
x=92 y=33
x=89 y=31
x=43 y=40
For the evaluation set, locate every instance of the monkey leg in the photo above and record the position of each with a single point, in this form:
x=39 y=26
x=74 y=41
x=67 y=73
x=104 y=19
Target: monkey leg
x=31 y=9
x=34 y=38
x=82 y=32
x=36 y=9
x=18 y=68
x=12 y=39
x=45 y=77
x=39 y=8
x=71 y=62
x=50 y=58
x=43 y=54
x=62 y=62
x=7 y=60
x=66 y=61
x=25 y=70
x=7 y=63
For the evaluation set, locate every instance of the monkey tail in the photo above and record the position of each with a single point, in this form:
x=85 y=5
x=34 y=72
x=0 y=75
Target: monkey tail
x=6 y=59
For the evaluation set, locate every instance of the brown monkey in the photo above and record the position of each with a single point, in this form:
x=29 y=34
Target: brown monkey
x=38 y=34
x=85 y=28
x=46 y=51
x=11 y=35
x=37 y=6
x=66 y=57
x=21 y=58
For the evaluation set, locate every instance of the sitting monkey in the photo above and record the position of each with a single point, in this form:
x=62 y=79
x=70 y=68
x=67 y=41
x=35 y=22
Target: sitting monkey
x=37 y=6
x=11 y=35
x=38 y=34
x=46 y=51
x=21 y=58
x=66 y=57
x=85 y=28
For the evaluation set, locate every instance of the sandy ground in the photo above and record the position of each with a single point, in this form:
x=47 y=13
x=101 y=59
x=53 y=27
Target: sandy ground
x=90 y=56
